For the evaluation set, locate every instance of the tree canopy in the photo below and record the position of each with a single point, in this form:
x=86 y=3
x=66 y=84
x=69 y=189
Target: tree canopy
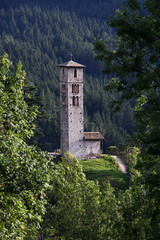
x=134 y=62
x=24 y=171
x=40 y=199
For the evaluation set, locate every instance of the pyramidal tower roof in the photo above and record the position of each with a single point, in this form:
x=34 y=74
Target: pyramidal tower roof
x=71 y=64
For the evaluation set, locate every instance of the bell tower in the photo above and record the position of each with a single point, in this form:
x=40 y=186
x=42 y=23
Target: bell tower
x=71 y=107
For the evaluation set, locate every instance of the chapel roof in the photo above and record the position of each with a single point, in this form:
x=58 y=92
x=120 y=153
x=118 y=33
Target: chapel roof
x=70 y=64
x=92 y=136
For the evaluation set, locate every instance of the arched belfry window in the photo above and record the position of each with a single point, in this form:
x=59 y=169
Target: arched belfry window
x=75 y=88
x=75 y=72
x=75 y=101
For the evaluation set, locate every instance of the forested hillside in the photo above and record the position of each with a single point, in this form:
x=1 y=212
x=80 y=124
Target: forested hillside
x=41 y=34
x=44 y=199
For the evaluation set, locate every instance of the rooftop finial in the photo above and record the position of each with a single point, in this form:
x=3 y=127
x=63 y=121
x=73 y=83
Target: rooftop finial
x=71 y=55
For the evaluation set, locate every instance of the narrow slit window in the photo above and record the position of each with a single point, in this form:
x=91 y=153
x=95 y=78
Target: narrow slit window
x=75 y=101
x=73 y=88
x=75 y=72
x=77 y=88
x=63 y=72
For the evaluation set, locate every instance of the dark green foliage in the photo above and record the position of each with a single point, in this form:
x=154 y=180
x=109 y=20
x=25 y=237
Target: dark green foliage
x=134 y=207
x=24 y=171
x=135 y=63
x=90 y=8
x=80 y=209
x=77 y=208
x=40 y=199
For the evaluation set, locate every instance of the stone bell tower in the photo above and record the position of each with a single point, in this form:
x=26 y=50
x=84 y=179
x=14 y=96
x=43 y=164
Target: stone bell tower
x=71 y=107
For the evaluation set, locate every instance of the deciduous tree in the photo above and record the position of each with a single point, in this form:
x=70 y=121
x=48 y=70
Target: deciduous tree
x=77 y=208
x=24 y=172
x=134 y=63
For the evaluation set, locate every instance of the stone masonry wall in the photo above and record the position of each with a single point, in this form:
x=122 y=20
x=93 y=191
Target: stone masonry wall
x=71 y=115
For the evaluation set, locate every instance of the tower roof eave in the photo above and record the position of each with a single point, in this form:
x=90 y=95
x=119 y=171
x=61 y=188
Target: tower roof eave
x=71 y=64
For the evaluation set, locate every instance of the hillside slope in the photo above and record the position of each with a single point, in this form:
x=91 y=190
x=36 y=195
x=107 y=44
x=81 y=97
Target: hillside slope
x=42 y=35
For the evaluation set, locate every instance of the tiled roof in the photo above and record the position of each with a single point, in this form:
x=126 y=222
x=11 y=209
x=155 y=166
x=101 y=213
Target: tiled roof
x=92 y=136
x=71 y=64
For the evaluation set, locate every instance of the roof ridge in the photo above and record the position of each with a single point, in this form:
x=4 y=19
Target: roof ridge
x=92 y=136
x=71 y=63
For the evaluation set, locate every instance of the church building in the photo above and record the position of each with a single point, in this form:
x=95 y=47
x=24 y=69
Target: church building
x=82 y=145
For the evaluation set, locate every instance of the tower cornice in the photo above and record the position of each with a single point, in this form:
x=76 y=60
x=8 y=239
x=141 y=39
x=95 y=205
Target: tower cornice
x=71 y=64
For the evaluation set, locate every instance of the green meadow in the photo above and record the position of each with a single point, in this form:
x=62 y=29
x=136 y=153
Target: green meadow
x=105 y=169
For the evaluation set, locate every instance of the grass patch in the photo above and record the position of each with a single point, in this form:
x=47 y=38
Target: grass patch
x=105 y=169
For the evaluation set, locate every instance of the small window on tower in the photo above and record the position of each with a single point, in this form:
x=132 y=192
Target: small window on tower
x=75 y=101
x=63 y=88
x=75 y=88
x=75 y=72
x=63 y=72
x=63 y=100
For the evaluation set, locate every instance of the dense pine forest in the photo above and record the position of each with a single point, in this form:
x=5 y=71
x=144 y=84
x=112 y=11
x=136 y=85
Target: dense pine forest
x=65 y=199
x=42 y=34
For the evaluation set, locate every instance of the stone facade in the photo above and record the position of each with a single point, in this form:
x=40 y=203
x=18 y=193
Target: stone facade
x=73 y=138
